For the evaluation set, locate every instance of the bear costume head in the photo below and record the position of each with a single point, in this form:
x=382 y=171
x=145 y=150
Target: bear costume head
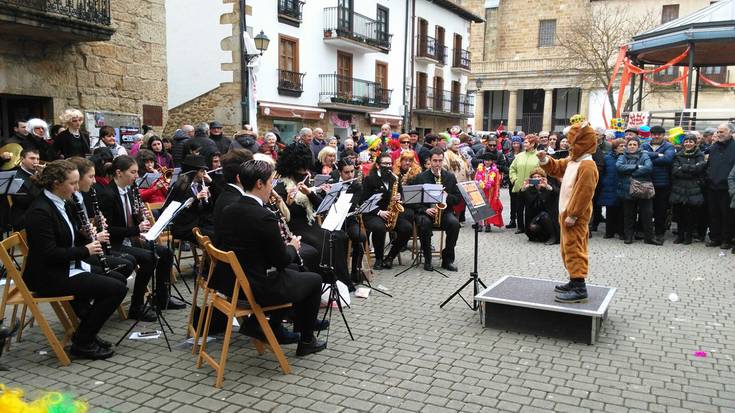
x=582 y=138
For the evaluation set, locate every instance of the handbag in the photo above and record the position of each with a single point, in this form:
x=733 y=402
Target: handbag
x=641 y=189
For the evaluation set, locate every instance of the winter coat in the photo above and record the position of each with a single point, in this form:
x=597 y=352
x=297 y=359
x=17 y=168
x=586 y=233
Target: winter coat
x=609 y=182
x=179 y=150
x=662 y=159
x=222 y=142
x=632 y=165
x=521 y=168
x=719 y=164
x=245 y=142
x=686 y=175
x=731 y=185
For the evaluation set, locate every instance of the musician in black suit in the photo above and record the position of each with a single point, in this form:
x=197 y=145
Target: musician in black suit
x=231 y=189
x=125 y=225
x=55 y=267
x=29 y=159
x=426 y=213
x=381 y=180
x=192 y=183
x=345 y=172
x=251 y=231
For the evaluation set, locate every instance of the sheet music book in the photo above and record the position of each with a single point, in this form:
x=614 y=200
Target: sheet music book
x=165 y=218
x=338 y=213
x=147 y=180
x=11 y=186
x=321 y=179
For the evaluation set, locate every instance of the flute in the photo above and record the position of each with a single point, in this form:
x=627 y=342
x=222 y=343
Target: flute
x=91 y=232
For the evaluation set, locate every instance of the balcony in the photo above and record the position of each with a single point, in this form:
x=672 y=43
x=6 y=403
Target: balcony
x=289 y=12
x=461 y=61
x=443 y=103
x=342 y=92
x=290 y=83
x=354 y=32
x=57 y=20
x=429 y=51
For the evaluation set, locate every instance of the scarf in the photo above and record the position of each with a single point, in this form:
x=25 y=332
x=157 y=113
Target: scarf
x=300 y=199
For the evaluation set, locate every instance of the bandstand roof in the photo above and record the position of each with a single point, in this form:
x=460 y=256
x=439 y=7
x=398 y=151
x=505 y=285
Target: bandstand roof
x=711 y=30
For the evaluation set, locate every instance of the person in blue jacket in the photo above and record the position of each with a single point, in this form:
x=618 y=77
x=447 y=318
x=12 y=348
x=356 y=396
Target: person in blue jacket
x=661 y=153
x=634 y=163
x=609 y=191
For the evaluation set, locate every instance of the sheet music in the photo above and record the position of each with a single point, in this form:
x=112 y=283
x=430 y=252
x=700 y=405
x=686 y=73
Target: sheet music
x=165 y=218
x=338 y=213
x=434 y=193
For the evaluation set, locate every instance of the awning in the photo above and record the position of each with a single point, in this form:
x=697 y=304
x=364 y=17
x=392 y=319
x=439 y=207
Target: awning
x=381 y=119
x=279 y=110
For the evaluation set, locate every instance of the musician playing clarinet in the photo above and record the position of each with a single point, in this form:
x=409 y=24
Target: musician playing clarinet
x=56 y=252
x=126 y=220
x=426 y=214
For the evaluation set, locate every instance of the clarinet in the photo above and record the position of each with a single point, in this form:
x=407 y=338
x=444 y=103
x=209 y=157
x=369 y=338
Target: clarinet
x=89 y=229
x=138 y=208
x=286 y=233
x=99 y=218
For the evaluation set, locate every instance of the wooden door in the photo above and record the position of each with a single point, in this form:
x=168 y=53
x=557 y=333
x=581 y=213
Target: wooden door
x=456 y=89
x=422 y=40
x=439 y=93
x=381 y=81
x=440 y=44
x=344 y=75
x=457 y=50
x=421 y=80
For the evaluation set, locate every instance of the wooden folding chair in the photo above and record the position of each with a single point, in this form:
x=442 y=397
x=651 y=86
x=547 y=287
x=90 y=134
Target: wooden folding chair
x=232 y=309
x=19 y=294
x=201 y=283
x=416 y=245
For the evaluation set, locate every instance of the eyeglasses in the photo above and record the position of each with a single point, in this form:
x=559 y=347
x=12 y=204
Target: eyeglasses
x=402 y=142
x=386 y=164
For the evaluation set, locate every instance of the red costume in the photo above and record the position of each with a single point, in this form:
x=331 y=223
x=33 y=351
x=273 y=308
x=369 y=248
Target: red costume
x=490 y=179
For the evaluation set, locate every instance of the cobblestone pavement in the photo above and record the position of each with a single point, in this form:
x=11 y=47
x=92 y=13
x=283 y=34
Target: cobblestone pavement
x=410 y=355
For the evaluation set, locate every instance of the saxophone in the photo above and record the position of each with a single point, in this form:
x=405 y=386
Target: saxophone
x=440 y=207
x=395 y=207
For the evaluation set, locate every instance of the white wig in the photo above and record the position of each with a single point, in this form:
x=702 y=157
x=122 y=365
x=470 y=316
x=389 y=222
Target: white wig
x=38 y=123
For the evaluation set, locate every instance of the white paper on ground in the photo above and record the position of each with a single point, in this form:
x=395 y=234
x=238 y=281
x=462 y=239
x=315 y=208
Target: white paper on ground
x=362 y=292
x=136 y=336
x=191 y=340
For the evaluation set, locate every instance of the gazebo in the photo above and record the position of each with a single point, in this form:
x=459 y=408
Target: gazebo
x=708 y=34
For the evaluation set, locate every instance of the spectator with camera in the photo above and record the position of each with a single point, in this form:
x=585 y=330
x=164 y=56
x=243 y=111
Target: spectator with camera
x=541 y=200
x=636 y=189
x=686 y=194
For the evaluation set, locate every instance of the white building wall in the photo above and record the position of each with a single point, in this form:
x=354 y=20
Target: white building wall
x=320 y=57
x=193 y=52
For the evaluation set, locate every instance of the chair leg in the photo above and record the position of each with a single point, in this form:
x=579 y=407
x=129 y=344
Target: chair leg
x=65 y=322
x=13 y=317
x=50 y=336
x=223 y=356
x=200 y=322
x=122 y=312
x=72 y=316
x=205 y=333
x=22 y=323
x=273 y=343
x=189 y=321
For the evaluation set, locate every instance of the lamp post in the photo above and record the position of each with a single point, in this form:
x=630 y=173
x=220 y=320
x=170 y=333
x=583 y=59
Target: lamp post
x=261 y=43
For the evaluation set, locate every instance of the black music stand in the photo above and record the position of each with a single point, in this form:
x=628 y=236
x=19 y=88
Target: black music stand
x=338 y=211
x=9 y=185
x=421 y=194
x=147 y=180
x=150 y=238
x=480 y=210
x=369 y=205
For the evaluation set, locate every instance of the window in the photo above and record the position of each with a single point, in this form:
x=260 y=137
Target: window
x=382 y=19
x=288 y=53
x=716 y=73
x=667 y=75
x=381 y=78
x=288 y=129
x=546 y=33
x=669 y=12
x=421 y=84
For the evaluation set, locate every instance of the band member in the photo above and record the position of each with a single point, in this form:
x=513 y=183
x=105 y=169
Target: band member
x=293 y=166
x=426 y=213
x=126 y=221
x=345 y=172
x=192 y=182
x=29 y=161
x=56 y=250
x=252 y=232
x=382 y=180
x=231 y=190
x=157 y=191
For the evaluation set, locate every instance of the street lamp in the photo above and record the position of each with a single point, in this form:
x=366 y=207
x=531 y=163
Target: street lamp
x=261 y=42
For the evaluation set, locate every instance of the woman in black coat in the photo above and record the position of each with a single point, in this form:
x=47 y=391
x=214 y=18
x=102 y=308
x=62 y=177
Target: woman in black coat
x=541 y=198
x=73 y=141
x=687 y=173
x=56 y=250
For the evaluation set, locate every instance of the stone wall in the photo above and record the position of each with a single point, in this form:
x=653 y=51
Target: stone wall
x=119 y=75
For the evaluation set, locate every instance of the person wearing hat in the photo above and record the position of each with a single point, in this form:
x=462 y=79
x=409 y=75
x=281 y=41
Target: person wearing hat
x=520 y=170
x=631 y=133
x=686 y=194
x=541 y=199
x=216 y=135
x=489 y=179
x=414 y=141
x=707 y=137
x=661 y=152
x=193 y=182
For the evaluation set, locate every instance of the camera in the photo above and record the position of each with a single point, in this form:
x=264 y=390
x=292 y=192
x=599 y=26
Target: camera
x=534 y=181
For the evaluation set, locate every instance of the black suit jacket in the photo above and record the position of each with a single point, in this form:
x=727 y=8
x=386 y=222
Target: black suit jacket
x=23 y=200
x=50 y=249
x=252 y=232
x=373 y=184
x=450 y=186
x=228 y=196
x=114 y=212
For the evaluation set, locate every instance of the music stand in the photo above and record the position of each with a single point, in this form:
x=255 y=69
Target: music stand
x=338 y=212
x=147 y=180
x=369 y=205
x=150 y=237
x=480 y=210
x=421 y=194
x=9 y=185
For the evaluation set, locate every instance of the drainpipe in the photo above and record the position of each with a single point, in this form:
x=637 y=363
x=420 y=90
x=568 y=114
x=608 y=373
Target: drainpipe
x=405 y=48
x=244 y=70
x=409 y=108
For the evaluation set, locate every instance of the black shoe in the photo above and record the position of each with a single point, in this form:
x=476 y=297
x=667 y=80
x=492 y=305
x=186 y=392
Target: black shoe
x=6 y=332
x=511 y=225
x=551 y=241
x=91 y=351
x=608 y=236
x=519 y=231
x=320 y=325
x=628 y=240
x=679 y=239
x=388 y=262
x=283 y=335
x=713 y=243
x=102 y=343
x=653 y=241
x=563 y=288
x=378 y=264
x=428 y=266
x=173 y=304
x=477 y=226
x=577 y=295
x=488 y=228
x=687 y=239
x=310 y=346
x=136 y=313
x=449 y=266
x=725 y=246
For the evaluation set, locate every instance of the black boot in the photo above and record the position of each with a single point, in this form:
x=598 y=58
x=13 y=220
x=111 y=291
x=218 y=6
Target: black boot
x=378 y=264
x=563 y=288
x=511 y=225
x=628 y=239
x=577 y=294
x=310 y=345
x=388 y=262
x=679 y=238
x=687 y=238
x=427 y=263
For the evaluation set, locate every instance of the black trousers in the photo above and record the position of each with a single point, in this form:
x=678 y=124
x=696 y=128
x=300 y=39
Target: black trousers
x=148 y=266
x=520 y=209
x=513 y=204
x=596 y=209
x=449 y=224
x=633 y=207
x=687 y=215
x=376 y=227
x=304 y=290
x=105 y=293
x=614 y=219
x=703 y=216
x=661 y=209
x=721 y=216
x=357 y=237
x=123 y=264
x=541 y=228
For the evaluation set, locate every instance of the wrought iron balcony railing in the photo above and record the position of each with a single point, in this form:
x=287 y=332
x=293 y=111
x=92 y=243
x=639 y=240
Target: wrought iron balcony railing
x=290 y=10
x=89 y=11
x=443 y=101
x=430 y=48
x=461 y=59
x=290 y=83
x=347 y=90
x=355 y=26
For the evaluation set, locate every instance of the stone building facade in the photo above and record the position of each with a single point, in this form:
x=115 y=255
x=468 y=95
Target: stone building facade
x=526 y=81
x=106 y=57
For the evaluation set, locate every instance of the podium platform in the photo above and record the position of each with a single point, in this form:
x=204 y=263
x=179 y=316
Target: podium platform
x=527 y=305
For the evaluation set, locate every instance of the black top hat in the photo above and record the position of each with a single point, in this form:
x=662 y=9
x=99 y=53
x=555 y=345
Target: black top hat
x=194 y=162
